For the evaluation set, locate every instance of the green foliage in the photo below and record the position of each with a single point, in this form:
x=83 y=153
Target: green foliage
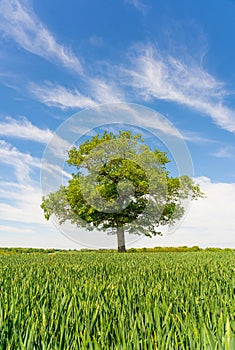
x=111 y=301
x=94 y=199
x=13 y=250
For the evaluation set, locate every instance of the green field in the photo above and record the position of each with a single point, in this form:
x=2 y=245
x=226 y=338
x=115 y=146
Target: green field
x=117 y=301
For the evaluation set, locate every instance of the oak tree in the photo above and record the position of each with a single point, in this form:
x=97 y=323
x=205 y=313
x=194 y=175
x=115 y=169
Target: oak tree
x=120 y=185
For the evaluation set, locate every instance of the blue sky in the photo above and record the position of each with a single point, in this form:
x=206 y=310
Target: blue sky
x=58 y=58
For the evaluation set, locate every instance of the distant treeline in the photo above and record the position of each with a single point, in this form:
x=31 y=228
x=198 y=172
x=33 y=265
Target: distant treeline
x=11 y=250
x=165 y=249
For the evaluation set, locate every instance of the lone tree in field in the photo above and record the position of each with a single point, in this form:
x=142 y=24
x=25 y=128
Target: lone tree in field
x=120 y=185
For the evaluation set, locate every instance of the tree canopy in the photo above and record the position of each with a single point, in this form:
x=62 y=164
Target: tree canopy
x=121 y=184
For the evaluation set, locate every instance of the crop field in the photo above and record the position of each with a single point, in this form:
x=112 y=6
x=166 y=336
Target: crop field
x=117 y=301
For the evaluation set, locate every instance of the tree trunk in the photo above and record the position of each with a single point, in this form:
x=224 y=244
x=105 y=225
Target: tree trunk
x=121 y=240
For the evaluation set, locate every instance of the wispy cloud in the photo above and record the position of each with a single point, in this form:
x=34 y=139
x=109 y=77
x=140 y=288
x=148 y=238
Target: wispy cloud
x=23 y=205
x=21 y=197
x=225 y=152
x=20 y=23
x=157 y=76
x=24 y=129
x=22 y=163
x=196 y=137
x=59 y=96
x=105 y=91
x=139 y=5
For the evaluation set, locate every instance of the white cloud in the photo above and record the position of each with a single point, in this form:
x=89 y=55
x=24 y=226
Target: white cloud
x=59 y=96
x=20 y=202
x=225 y=152
x=153 y=74
x=12 y=229
x=22 y=163
x=196 y=137
x=209 y=222
x=34 y=235
x=141 y=116
x=137 y=4
x=20 y=23
x=24 y=129
x=105 y=92
x=23 y=167
x=214 y=215
x=164 y=77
